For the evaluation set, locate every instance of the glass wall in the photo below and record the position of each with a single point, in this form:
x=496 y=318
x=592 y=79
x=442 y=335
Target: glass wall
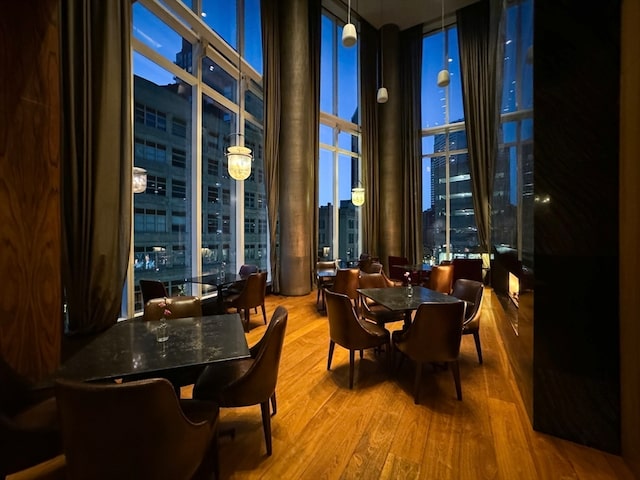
x=192 y=97
x=339 y=221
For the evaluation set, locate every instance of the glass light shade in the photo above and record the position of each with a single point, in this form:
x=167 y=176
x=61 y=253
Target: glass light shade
x=443 y=78
x=383 y=95
x=139 y=180
x=349 y=35
x=357 y=196
x=239 y=162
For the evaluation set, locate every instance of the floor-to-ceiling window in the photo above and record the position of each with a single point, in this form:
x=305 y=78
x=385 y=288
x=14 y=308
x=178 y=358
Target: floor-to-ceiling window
x=193 y=97
x=339 y=164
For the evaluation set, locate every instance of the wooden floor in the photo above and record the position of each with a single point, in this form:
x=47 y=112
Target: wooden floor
x=324 y=430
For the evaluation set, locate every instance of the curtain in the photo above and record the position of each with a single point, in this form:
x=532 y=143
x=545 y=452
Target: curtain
x=369 y=46
x=96 y=160
x=315 y=35
x=411 y=143
x=477 y=39
x=271 y=82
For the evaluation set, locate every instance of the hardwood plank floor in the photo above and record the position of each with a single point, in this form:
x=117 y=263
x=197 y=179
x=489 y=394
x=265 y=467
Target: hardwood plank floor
x=323 y=430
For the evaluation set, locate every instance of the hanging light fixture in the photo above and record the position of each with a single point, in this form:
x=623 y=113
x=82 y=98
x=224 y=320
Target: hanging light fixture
x=382 y=96
x=238 y=156
x=443 y=75
x=357 y=195
x=139 y=180
x=349 y=35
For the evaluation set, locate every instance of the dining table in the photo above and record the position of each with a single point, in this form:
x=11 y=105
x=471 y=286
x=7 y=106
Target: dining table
x=219 y=281
x=131 y=349
x=324 y=276
x=406 y=298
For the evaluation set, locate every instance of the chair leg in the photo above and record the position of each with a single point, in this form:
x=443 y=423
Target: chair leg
x=455 y=369
x=416 y=384
x=266 y=425
x=476 y=338
x=352 y=354
x=264 y=313
x=273 y=404
x=331 y=346
x=361 y=353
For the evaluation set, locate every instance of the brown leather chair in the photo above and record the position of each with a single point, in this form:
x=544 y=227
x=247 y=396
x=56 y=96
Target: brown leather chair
x=152 y=289
x=29 y=432
x=136 y=430
x=181 y=306
x=324 y=282
x=251 y=381
x=433 y=336
x=472 y=293
x=372 y=310
x=252 y=295
x=236 y=287
x=350 y=332
x=441 y=278
x=346 y=282
x=469 y=268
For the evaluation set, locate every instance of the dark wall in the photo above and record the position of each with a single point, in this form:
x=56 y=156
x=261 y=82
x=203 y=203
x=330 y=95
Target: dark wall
x=576 y=134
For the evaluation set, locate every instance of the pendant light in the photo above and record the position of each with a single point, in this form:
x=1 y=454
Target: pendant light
x=357 y=195
x=382 y=96
x=349 y=35
x=238 y=156
x=443 y=75
x=139 y=180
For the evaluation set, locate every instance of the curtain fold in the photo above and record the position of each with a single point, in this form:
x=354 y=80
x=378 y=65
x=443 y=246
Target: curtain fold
x=96 y=160
x=315 y=35
x=369 y=47
x=410 y=81
x=477 y=39
x=272 y=107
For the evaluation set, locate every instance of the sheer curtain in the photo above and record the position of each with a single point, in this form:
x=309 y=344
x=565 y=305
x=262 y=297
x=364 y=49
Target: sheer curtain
x=96 y=160
x=478 y=44
x=411 y=74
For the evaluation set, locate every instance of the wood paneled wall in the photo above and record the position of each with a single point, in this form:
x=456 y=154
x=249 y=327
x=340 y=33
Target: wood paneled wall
x=30 y=245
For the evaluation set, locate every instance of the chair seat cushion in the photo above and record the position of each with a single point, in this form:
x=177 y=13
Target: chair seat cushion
x=376 y=330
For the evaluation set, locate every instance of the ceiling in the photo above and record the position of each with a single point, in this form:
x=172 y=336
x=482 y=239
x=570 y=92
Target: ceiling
x=405 y=13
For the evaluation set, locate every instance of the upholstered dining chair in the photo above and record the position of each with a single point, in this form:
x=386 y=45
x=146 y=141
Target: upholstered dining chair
x=136 y=430
x=350 y=332
x=372 y=310
x=441 y=278
x=29 y=429
x=346 y=282
x=180 y=306
x=323 y=282
x=152 y=289
x=433 y=336
x=252 y=295
x=472 y=293
x=236 y=287
x=252 y=381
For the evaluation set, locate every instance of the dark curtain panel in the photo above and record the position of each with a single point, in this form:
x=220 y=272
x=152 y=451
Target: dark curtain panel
x=477 y=44
x=271 y=82
x=410 y=81
x=315 y=34
x=369 y=44
x=96 y=159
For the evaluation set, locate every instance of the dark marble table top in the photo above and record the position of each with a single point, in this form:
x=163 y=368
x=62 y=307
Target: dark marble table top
x=326 y=272
x=397 y=298
x=130 y=349
x=219 y=280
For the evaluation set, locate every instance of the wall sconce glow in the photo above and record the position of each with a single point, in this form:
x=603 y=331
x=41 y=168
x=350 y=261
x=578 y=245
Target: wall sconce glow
x=239 y=162
x=357 y=196
x=139 y=180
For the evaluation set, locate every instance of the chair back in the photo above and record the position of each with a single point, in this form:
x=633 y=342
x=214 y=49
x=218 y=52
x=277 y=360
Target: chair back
x=471 y=292
x=152 y=289
x=247 y=269
x=180 y=306
x=344 y=325
x=469 y=268
x=253 y=292
x=326 y=265
x=130 y=430
x=346 y=282
x=258 y=384
x=395 y=271
x=435 y=333
x=441 y=278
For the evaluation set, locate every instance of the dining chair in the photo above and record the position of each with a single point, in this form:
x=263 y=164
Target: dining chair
x=180 y=306
x=252 y=295
x=433 y=336
x=472 y=293
x=370 y=309
x=152 y=289
x=29 y=429
x=350 y=332
x=136 y=430
x=236 y=287
x=346 y=282
x=396 y=271
x=441 y=278
x=323 y=282
x=252 y=381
